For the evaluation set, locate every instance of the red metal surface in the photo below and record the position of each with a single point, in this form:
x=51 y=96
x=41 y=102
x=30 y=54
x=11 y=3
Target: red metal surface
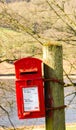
x=28 y=65
x=29 y=75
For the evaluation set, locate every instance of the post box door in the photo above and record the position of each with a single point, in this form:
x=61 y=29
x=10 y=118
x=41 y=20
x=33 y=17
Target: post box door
x=30 y=99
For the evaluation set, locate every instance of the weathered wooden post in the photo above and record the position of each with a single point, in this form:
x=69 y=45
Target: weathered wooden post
x=53 y=71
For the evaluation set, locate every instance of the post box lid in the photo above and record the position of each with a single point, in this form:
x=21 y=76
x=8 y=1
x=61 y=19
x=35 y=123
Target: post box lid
x=28 y=65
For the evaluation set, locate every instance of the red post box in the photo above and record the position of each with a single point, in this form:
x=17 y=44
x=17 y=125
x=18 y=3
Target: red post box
x=29 y=88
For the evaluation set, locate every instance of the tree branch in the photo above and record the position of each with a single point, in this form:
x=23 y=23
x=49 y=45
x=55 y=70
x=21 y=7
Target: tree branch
x=8 y=116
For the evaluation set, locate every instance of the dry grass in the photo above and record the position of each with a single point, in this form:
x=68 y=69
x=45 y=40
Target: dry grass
x=71 y=127
x=42 y=127
x=33 y=128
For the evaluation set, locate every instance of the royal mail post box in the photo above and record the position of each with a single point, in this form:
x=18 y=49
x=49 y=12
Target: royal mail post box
x=29 y=88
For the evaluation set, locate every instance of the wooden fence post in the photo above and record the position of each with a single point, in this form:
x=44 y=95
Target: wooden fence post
x=53 y=69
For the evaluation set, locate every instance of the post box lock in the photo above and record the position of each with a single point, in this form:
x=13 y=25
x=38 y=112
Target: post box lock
x=29 y=82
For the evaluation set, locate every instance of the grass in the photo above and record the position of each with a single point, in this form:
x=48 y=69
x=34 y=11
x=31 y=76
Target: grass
x=71 y=127
x=68 y=127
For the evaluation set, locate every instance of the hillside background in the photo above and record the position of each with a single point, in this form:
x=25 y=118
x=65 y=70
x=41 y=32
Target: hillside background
x=24 y=27
x=47 y=23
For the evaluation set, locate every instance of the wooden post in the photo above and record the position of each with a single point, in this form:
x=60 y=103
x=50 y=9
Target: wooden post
x=53 y=69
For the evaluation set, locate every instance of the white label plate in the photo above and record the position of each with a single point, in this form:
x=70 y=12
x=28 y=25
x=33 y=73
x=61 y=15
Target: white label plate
x=30 y=99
